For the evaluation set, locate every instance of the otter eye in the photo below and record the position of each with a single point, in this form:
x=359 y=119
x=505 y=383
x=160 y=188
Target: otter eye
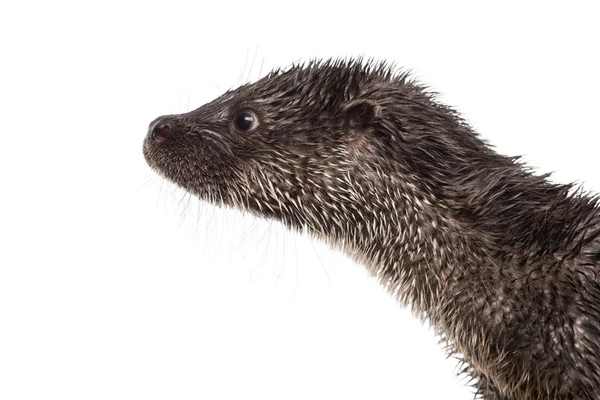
x=245 y=121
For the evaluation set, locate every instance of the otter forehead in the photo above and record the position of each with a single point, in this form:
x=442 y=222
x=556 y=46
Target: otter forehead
x=320 y=86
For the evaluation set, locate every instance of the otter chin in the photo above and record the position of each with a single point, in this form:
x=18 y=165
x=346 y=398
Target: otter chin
x=503 y=263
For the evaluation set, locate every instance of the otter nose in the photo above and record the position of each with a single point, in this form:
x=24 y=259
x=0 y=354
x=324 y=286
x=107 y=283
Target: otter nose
x=159 y=129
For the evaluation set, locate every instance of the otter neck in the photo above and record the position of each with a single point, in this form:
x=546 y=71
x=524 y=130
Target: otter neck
x=409 y=240
x=429 y=245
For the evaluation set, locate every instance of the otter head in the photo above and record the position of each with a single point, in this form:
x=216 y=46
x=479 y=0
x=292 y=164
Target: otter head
x=323 y=146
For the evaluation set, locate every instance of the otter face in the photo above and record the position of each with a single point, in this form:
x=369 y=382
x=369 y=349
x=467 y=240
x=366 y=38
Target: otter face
x=275 y=147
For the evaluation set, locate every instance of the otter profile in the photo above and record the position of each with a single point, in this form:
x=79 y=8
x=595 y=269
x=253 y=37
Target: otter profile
x=503 y=263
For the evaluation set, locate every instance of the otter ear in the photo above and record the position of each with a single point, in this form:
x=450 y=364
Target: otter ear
x=360 y=113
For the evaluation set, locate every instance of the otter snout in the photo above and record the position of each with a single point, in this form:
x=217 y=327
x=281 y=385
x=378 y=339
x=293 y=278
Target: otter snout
x=160 y=129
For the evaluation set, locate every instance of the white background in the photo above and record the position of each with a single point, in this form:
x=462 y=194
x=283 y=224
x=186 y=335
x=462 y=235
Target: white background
x=115 y=285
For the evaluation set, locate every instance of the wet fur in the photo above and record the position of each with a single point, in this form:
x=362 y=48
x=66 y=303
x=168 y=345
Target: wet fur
x=503 y=263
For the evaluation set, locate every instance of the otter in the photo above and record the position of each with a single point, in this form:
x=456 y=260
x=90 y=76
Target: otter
x=503 y=263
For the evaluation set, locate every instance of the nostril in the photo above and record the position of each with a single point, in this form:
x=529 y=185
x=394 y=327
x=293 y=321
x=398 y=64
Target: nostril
x=159 y=130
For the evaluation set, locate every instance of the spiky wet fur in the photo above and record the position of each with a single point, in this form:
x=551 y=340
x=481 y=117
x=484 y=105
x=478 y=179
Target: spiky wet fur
x=502 y=262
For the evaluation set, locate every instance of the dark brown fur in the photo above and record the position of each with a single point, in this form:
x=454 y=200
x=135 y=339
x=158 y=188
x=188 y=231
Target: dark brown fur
x=503 y=263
